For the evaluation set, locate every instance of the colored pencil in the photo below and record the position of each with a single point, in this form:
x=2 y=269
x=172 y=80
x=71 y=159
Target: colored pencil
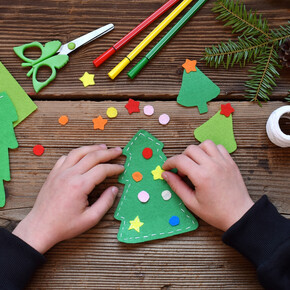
x=118 y=68
x=166 y=38
x=103 y=57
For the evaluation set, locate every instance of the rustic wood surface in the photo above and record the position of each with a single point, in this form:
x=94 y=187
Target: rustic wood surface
x=96 y=260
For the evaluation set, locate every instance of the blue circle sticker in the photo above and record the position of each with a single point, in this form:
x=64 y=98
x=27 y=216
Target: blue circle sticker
x=174 y=220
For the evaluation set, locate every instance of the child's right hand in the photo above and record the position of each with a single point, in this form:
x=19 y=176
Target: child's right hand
x=220 y=197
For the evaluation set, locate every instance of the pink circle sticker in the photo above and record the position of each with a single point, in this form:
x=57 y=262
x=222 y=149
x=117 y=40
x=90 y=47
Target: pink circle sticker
x=164 y=119
x=143 y=196
x=148 y=110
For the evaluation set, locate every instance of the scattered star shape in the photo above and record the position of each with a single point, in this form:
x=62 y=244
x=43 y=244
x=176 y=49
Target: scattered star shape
x=136 y=224
x=132 y=106
x=157 y=173
x=189 y=65
x=227 y=109
x=99 y=123
x=87 y=79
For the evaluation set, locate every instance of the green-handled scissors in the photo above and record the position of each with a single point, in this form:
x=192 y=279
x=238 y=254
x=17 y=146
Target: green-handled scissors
x=48 y=57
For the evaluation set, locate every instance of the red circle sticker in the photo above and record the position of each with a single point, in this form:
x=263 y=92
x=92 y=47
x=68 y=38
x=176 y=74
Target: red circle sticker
x=38 y=150
x=147 y=153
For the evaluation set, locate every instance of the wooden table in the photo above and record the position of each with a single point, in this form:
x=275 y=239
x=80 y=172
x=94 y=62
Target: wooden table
x=96 y=260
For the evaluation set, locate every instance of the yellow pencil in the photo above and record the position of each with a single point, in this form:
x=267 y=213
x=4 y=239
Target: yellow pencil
x=118 y=68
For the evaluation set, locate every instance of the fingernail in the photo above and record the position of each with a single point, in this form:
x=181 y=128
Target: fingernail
x=104 y=146
x=115 y=190
x=164 y=176
x=118 y=149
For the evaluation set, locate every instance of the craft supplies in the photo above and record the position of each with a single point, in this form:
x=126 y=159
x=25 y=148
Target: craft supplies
x=8 y=115
x=99 y=60
x=48 y=57
x=275 y=134
x=166 y=38
x=196 y=88
x=23 y=104
x=117 y=69
x=148 y=208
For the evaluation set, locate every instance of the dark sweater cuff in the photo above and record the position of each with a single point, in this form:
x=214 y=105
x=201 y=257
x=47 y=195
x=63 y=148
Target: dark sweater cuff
x=259 y=232
x=18 y=261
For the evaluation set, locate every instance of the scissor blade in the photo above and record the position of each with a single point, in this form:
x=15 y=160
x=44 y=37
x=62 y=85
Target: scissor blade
x=76 y=43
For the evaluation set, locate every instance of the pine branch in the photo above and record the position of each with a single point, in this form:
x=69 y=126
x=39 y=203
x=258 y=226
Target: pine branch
x=263 y=76
x=230 y=53
x=281 y=34
x=237 y=16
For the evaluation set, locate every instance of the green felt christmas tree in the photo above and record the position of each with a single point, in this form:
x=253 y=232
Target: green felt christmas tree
x=196 y=90
x=8 y=140
x=149 y=209
x=219 y=129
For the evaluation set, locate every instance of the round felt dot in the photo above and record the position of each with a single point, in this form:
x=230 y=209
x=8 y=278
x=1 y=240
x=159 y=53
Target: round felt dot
x=148 y=110
x=63 y=120
x=112 y=112
x=147 y=153
x=137 y=176
x=164 y=119
x=166 y=194
x=38 y=150
x=174 y=221
x=143 y=196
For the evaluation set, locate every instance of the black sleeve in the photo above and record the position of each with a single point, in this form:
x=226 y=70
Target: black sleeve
x=18 y=261
x=263 y=236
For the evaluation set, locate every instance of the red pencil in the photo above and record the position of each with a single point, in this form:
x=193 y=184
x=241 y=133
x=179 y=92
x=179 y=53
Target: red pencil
x=103 y=57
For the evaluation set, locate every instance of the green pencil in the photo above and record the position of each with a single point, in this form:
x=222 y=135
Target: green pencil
x=165 y=39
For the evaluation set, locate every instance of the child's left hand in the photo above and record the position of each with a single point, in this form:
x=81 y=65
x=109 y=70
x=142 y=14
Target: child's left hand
x=61 y=210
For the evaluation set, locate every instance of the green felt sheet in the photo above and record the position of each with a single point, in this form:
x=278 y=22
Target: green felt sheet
x=156 y=212
x=196 y=90
x=219 y=129
x=23 y=104
x=8 y=140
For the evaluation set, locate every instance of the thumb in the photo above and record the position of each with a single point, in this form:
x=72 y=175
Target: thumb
x=98 y=209
x=186 y=194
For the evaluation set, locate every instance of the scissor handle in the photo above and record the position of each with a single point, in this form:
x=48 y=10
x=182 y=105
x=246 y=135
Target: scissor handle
x=54 y=62
x=48 y=50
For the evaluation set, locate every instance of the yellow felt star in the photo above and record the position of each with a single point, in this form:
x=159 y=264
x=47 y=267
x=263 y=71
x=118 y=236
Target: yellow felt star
x=136 y=224
x=157 y=173
x=189 y=65
x=99 y=123
x=87 y=79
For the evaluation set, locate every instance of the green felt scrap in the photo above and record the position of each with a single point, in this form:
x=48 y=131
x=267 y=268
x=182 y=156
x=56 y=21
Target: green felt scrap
x=156 y=212
x=23 y=104
x=8 y=140
x=219 y=129
x=196 y=90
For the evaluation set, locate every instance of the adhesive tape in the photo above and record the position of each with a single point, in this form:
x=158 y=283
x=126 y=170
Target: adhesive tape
x=274 y=131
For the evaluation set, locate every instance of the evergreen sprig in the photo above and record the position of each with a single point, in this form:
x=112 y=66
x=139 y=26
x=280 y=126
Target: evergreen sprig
x=257 y=44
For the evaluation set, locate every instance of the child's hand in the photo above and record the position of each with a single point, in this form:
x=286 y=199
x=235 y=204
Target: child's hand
x=220 y=197
x=61 y=210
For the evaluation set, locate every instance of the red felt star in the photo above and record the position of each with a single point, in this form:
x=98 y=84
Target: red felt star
x=227 y=109
x=132 y=106
x=189 y=65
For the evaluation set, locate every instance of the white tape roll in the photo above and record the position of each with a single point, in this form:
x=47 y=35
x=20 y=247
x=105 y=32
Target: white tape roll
x=274 y=131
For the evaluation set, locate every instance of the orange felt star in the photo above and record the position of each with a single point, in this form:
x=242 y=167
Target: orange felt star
x=227 y=109
x=189 y=65
x=99 y=123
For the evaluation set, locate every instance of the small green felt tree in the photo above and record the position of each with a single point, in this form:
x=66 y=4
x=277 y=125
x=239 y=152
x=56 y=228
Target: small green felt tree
x=149 y=209
x=196 y=90
x=219 y=129
x=8 y=140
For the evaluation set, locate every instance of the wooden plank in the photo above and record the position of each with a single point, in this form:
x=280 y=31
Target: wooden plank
x=96 y=260
x=28 y=20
